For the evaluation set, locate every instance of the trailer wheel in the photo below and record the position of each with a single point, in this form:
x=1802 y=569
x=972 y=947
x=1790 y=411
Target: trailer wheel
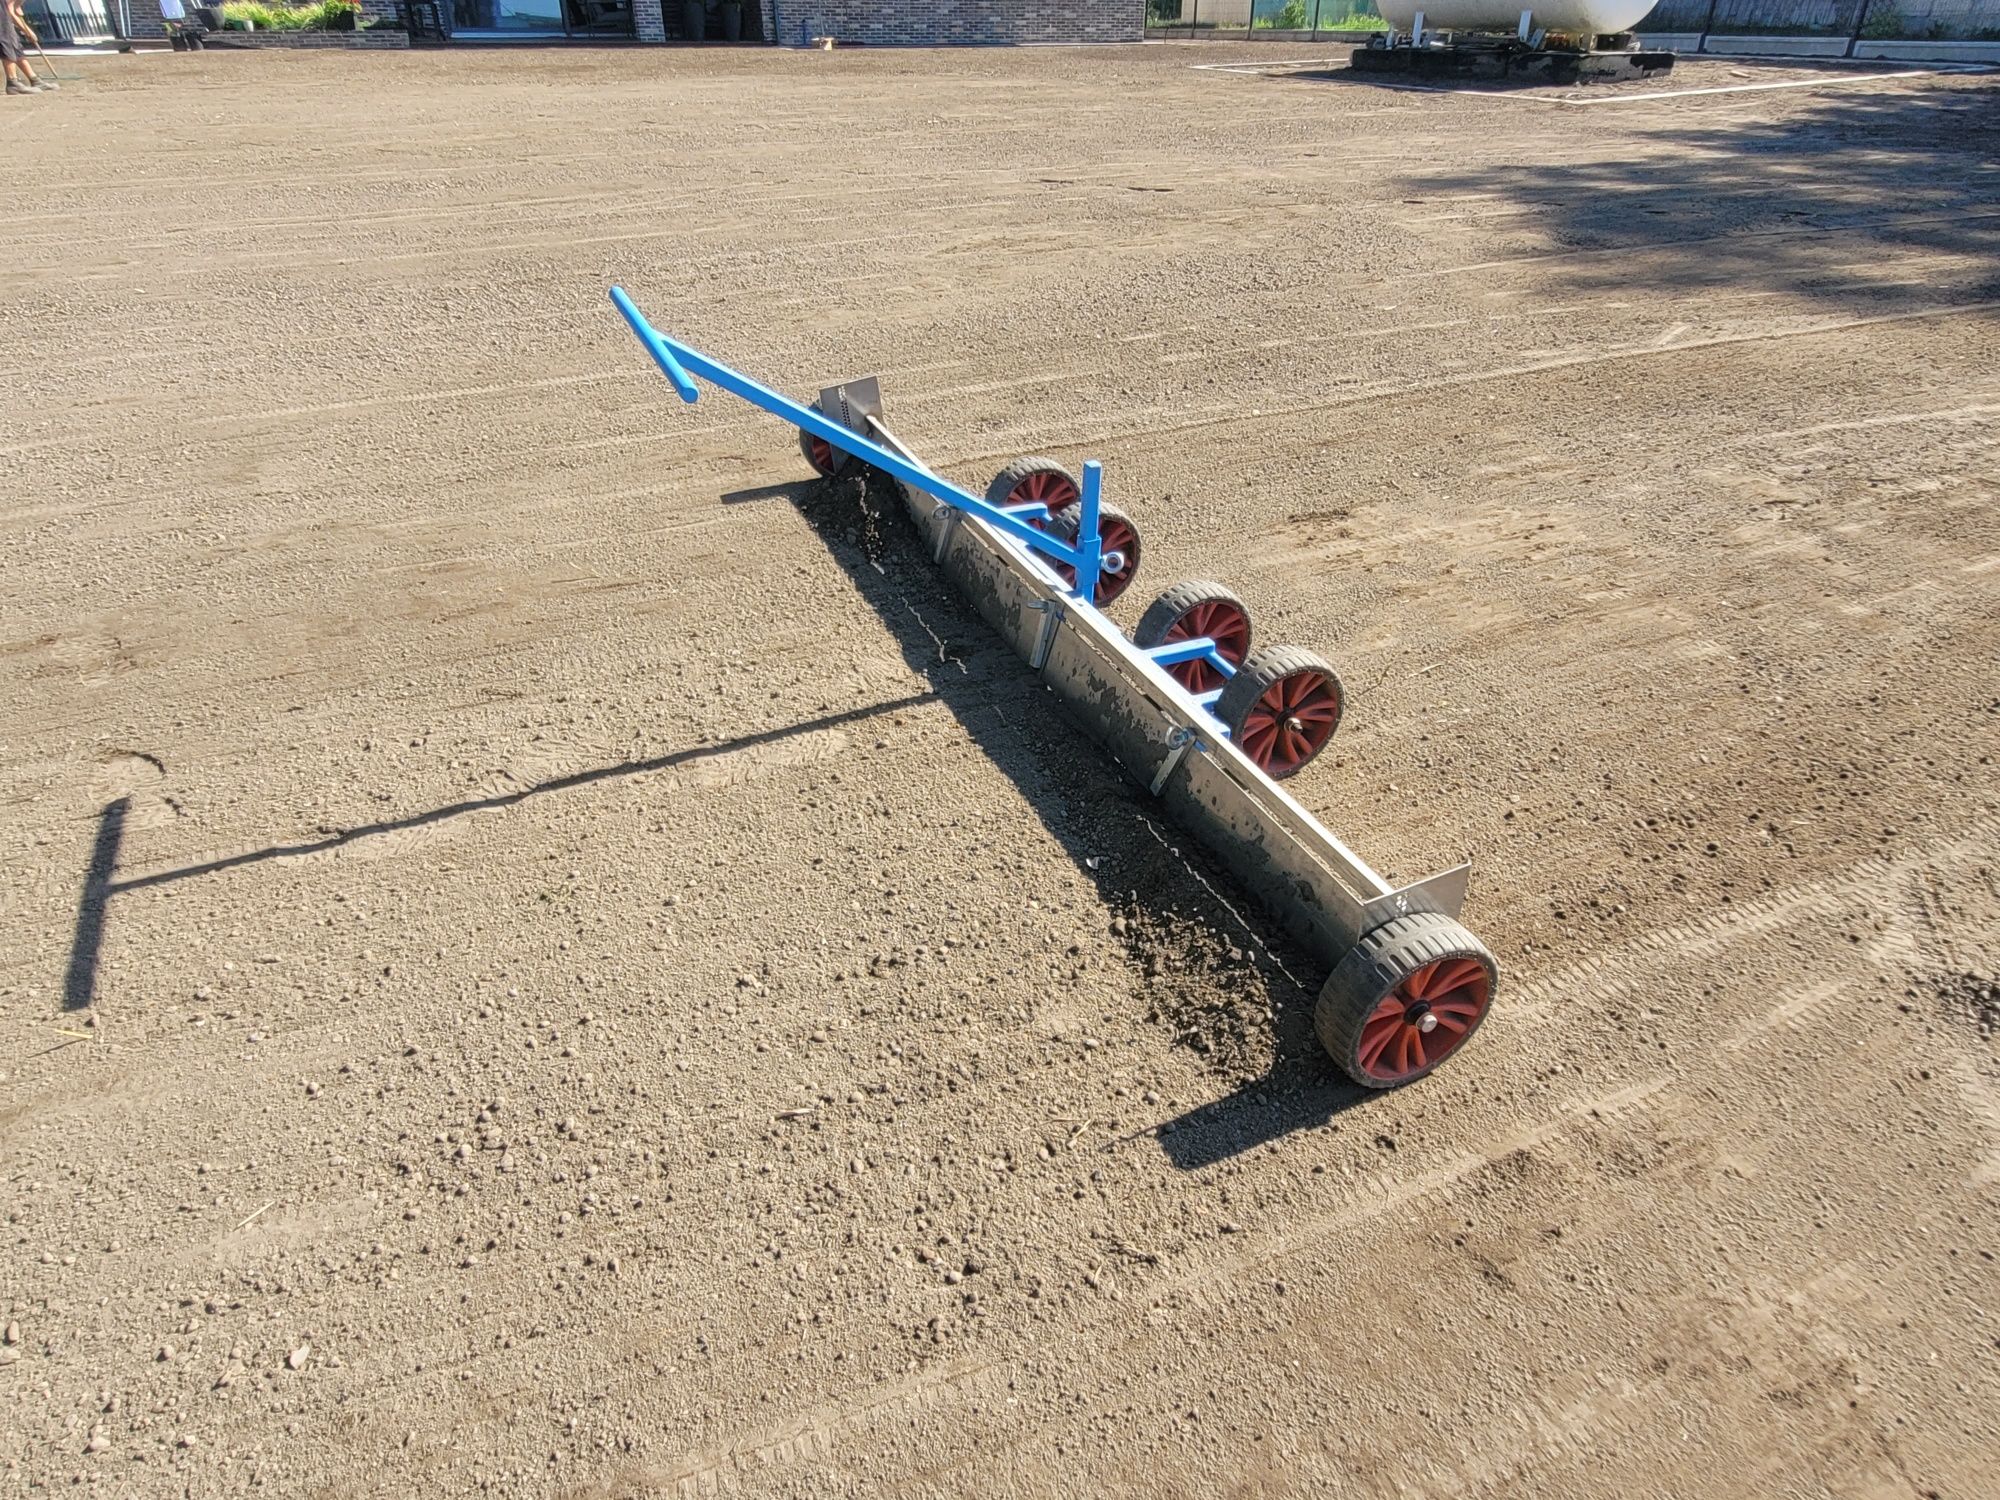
x=1120 y=535
x=1404 y=999
x=828 y=461
x=1281 y=707
x=1034 y=481
x=1191 y=609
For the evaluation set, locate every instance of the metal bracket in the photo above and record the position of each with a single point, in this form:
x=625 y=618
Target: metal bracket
x=1443 y=893
x=1052 y=612
x=852 y=404
x=949 y=516
x=1180 y=740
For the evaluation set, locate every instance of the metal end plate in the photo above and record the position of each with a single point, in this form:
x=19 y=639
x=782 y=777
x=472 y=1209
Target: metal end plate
x=1443 y=893
x=852 y=403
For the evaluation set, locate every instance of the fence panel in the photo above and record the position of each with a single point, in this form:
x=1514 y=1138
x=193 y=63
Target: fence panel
x=1818 y=20
x=1260 y=20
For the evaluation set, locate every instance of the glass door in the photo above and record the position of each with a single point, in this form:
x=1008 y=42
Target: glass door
x=508 y=17
x=600 y=17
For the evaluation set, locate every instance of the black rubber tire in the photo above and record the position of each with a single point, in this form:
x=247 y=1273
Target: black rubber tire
x=1167 y=611
x=1005 y=482
x=1371 y=971
x=1063 y=526
x=1261 y=670
x=842 y=460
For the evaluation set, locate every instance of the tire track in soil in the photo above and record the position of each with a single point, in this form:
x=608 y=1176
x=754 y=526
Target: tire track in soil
x=1215 y=1282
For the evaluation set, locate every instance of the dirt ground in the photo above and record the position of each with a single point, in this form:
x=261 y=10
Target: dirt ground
x=543 y=954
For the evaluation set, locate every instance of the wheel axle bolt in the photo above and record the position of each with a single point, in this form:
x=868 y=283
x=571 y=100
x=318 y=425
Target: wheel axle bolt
x=1427 y=1023
x=1294 y=726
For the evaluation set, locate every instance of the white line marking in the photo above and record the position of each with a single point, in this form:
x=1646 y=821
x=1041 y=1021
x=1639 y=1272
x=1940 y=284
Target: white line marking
x=1827 y=81
x=1259 y=67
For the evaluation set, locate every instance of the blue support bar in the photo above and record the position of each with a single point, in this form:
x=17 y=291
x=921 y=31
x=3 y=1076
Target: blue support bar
x=662 y=354
x=677 y=360
x=1090 y=531
x=1175 y=652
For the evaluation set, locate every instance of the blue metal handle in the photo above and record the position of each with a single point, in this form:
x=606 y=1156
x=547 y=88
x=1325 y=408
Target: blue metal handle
x=655 y=346
x=676 y=359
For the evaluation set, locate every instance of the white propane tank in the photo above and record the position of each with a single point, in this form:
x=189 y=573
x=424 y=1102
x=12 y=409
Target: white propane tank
x=1571 y=17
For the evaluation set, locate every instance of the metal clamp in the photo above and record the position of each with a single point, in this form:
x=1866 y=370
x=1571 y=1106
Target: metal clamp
x=1052 y=612
x=950 y=516
x=1180 y=740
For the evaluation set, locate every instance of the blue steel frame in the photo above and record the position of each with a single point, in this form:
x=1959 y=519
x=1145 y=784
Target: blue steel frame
x=680 y=363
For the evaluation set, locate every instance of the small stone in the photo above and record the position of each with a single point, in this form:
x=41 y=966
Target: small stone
x=819 y=1036
x=98 y=1442
x=296 y=1360
x=11 y=1334
x=953 y=1278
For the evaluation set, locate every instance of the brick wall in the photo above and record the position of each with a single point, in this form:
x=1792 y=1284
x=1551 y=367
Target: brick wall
x=935 y=23
x=648 y=21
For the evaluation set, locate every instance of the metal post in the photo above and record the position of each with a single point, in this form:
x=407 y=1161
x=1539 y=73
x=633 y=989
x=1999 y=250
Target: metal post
x=1090 y=532
x=1315 y=30
x=1708 y=25
x=1417 y=29
x=1194 y=19
x=1860 y=20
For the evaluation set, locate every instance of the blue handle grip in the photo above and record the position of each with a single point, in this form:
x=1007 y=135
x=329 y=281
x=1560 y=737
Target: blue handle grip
x=655 y=346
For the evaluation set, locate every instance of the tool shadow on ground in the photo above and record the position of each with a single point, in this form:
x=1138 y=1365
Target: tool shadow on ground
x=100 y=882
x=1221 y=979
x=1301 y=1092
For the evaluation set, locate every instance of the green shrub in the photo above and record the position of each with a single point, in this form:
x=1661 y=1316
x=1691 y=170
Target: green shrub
x=243 y=15
x=1354 y=20
x=1884 y=23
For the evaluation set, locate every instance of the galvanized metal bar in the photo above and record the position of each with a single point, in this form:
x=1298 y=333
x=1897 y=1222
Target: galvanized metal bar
x=1320 y=887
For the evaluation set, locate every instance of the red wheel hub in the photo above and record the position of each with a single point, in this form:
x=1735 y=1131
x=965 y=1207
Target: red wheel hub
x=1120 y=537
x=1419 y=1023
x=1046 y=488
x=1222 y=622
x=1289 y=724
x=822 y=453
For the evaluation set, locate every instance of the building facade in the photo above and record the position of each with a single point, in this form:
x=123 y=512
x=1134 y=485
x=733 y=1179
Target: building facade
x=791 y=23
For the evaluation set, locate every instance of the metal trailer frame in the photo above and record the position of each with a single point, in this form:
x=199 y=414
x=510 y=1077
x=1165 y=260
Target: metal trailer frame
x=1168 y=739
